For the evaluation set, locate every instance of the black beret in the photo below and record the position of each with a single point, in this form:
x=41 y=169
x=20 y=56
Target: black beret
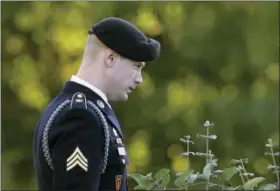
x=125 y=39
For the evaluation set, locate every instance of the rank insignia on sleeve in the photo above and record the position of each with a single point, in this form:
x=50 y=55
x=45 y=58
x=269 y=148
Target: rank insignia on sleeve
x=118 y=182
x=77 y=159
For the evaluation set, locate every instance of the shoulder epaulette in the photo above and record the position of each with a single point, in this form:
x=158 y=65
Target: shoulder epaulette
x=78 y=100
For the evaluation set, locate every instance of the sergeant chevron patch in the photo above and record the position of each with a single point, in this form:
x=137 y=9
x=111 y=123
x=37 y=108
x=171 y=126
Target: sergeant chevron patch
x=77 y=159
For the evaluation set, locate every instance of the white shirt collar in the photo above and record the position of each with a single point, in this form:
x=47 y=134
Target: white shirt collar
x=92 y=87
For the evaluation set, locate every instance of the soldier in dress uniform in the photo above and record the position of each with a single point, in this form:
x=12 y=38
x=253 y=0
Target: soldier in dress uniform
x=78 y=142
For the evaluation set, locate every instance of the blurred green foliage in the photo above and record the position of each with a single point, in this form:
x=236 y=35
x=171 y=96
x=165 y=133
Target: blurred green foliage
x=219 y=62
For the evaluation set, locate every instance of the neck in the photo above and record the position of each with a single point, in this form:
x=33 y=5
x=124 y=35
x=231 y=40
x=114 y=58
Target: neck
x=94 y=78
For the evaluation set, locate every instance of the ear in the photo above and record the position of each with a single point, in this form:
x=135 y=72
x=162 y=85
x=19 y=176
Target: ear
x=110 y=58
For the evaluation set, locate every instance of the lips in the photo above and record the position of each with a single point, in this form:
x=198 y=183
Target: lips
x=131 y=89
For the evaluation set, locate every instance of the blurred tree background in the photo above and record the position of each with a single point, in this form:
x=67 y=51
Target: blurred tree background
x=219 y=62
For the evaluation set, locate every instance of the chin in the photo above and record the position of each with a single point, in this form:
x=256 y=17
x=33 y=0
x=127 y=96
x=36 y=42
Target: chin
x=123 y=97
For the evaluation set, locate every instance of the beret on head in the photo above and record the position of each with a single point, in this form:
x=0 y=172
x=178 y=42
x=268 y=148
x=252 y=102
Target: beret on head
x=125 y=39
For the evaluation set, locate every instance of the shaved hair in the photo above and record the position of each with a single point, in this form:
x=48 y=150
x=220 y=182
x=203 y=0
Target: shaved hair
x=93 y=48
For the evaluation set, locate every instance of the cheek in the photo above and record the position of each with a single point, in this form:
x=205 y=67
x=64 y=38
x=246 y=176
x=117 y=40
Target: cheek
x=123 y=75
x=131 y=75
x=127 y=74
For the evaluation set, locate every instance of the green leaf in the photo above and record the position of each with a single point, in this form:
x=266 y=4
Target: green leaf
x=232 y=188
x=143 y=181
x=211 y=184
x=202 y=177
x=228 y=173
x=163 y=174
x=267 y=187
x=238 y=187
x=138 y=187
x=180 y=181
x=253 y=182
x=207 y=171
x=157 y=184
x=214 y=161
x=229 y=188
x=192 y=178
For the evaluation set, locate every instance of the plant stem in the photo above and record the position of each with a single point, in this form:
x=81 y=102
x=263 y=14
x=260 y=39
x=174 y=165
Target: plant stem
x=274 y=163
x=207 y=152
x=188 y=150
x=207 y=144
x=244 y=169
x=240 y=174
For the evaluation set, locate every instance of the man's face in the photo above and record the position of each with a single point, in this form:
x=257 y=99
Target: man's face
x=124 y=76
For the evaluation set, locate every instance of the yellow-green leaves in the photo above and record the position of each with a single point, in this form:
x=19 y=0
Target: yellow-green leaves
x=267 y=187
x=143 y=181
x=228 y=173
x=180 y=182
x=160 y=180
x=253 y=183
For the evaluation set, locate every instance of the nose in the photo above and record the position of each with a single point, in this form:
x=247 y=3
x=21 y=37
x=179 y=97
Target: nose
x=139 y=79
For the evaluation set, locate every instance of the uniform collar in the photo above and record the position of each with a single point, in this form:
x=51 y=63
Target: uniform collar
x=92 y=87
x=71 y=87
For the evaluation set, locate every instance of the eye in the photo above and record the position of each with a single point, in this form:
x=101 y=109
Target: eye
x=139 y=66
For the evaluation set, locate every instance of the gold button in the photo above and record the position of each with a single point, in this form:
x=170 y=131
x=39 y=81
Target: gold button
x=123 y=161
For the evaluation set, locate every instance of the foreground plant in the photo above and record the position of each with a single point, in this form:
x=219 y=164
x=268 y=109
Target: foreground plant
x=274 y=167
x=210 y=177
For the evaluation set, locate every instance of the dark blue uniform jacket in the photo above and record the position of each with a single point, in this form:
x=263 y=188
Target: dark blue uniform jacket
x=78 y=144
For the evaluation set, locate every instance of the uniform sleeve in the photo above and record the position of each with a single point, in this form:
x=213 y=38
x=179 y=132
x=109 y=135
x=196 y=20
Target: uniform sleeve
x=78 y=152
